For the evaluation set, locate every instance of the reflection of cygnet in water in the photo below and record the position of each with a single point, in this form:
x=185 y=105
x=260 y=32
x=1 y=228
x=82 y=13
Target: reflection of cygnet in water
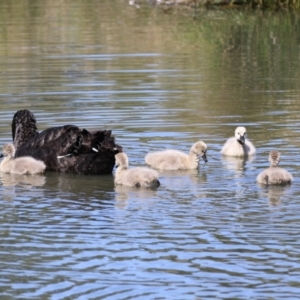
x=274 y=193
x=135 y=177
x=125 y=193
x=274 y=175
x=238 y=145
x=20 y=165
x=236 y=164
x=23 y=180
x=176 y=178
x=14 y=185
x=177 y=160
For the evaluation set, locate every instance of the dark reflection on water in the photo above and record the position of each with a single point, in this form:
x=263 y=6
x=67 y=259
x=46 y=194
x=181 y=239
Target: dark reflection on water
x=158 y=81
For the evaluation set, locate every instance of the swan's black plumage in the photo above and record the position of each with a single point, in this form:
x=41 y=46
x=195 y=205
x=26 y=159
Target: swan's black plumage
x=66 y=148
x=23 y=127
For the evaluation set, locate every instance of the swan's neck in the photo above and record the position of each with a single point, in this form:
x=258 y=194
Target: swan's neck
x=123 y=167
x=6 y=159
x=120 y=172
x=193 y=158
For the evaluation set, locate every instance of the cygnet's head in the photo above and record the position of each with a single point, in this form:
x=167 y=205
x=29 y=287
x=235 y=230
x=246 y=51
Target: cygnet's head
x=121 y=159
x=240 y=134
x=200 y=149
x=8 y=150
x=274 y=158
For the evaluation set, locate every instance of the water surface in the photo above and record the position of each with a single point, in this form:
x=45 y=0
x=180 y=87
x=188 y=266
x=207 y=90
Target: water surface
x=158 y=80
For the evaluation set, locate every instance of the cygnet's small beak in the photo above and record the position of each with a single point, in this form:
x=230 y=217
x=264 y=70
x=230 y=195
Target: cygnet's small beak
x=1 y=155
x=204 y=157
x=242 y=139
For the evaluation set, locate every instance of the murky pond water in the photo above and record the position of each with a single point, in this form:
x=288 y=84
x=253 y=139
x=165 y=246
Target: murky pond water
x=158 y=80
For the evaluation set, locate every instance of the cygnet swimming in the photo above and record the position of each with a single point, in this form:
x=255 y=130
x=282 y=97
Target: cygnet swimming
x=177 y=160
x=21 y=165
x=135 y=177
x=274 y=175
x=238 y=145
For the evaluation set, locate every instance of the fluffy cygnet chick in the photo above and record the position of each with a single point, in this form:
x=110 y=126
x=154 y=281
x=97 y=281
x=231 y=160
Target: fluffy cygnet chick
x=135 y=177
x=177 y=160
x=274 y=175
x=21 y=165
x=238 y=145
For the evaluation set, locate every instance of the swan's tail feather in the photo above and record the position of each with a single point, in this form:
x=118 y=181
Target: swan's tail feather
x=23 y=127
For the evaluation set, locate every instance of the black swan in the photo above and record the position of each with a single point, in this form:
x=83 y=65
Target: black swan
x=66 y=148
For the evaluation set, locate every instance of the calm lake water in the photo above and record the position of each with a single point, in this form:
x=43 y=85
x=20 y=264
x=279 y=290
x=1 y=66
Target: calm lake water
x=159 y=79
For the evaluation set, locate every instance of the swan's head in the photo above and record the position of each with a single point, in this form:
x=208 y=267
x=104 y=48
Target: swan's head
x=121 y=160
x=200 y=149
x=8 y=150
x=274 y=158
x=241 y=134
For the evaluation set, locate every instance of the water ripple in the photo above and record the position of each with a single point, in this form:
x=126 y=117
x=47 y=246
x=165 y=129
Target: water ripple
x=206 y=233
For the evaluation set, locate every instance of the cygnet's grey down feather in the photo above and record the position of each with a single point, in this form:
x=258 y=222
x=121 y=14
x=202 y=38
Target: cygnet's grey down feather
x=177 y=160
x=238 y=145
x=274 y=175
x=135 y=177
x=65 y=148
x=22 y=165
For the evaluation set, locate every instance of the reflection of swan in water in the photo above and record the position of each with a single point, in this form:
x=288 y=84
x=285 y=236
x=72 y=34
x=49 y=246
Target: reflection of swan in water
x=236 y=164
x=274 y=194
x=81 y=187
x=187 y=183
x=22 y=180
x=19 y=185
x=125 y=193
x=193 y=175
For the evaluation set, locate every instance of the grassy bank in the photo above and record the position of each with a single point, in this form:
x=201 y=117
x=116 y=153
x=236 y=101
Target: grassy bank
x=255 y=4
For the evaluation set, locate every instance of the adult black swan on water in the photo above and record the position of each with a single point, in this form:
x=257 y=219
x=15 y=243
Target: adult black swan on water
x=66 y=148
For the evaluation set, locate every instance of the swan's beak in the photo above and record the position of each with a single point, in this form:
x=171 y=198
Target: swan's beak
x=1 y=155
x=204 y=157
x=118 y=149
x=242 y=139
x=67 y=155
